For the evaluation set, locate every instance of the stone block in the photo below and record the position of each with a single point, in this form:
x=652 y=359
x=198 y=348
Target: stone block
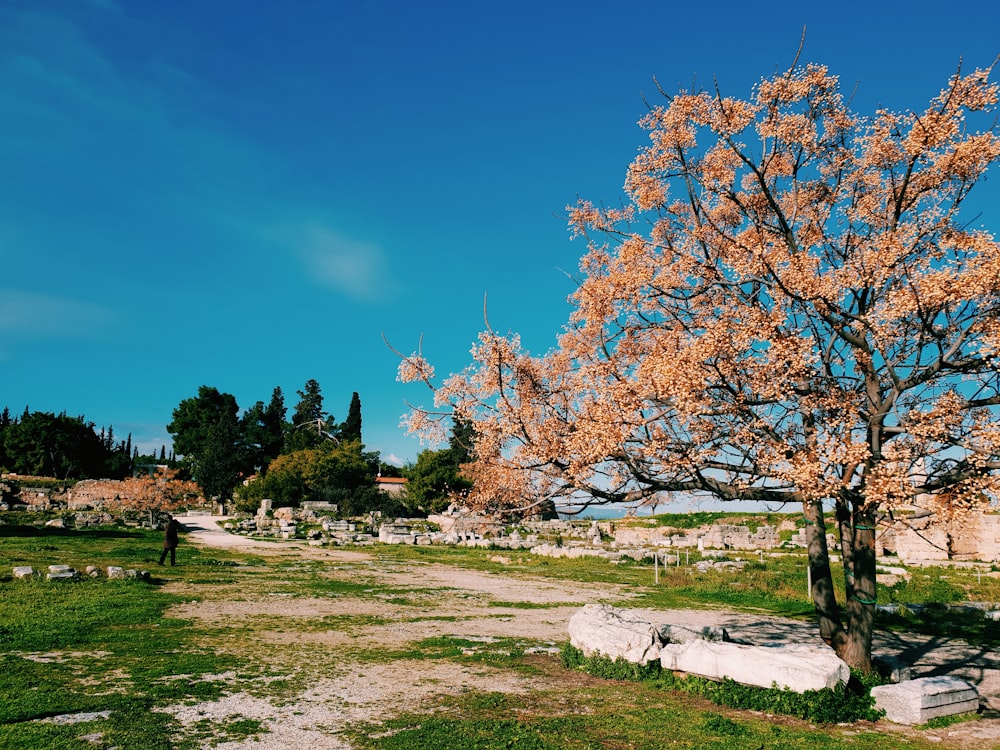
x=895 y=669
x=24 y=571
x=614 y=633
x=792 y=666
x=681 y=634
x=918 y=701
x=116 y=571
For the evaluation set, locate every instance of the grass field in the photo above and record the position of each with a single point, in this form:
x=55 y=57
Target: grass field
x=109 y=653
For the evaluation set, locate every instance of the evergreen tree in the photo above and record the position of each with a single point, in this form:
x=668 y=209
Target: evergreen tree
x=351 y=427
x=45 y=444
x=5 y=422
x=206 y=432
x=274 y=425
x=310 y=424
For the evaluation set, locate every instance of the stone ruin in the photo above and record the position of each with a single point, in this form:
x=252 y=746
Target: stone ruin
x=68 y=573
x=603 y=630
x=922 y=536
x=87 y=503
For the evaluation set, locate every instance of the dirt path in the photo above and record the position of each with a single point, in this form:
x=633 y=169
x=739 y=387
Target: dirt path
x=472 y=605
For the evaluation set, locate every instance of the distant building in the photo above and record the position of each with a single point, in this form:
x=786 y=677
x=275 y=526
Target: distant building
x=392 y=485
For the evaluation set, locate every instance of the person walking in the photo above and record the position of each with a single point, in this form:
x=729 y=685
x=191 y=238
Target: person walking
x=170 y=541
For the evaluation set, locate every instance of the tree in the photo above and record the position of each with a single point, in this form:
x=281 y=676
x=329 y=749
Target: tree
x=436 y=480
x=350 y=429
x=311 y=425
x=47 y=444
x=789 y=308
x=222 y=461
x=340 y=472
x=5 y=422
x=274 y=425
x=206 y=435
x=264 y=432
x=158 y=492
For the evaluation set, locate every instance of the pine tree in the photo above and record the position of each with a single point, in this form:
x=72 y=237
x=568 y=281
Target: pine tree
x=310 y=424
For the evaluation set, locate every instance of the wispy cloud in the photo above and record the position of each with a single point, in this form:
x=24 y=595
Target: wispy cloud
x=351 y=266
x=48 y=316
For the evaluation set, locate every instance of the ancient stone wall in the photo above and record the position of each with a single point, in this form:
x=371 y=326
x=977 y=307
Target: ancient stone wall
x=976 y=537
x=93 y=493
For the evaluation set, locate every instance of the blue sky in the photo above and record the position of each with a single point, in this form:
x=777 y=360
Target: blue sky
x=249 y=195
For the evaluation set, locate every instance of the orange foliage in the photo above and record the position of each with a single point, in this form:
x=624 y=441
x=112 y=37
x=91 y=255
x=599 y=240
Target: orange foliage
x=790 y=309
x=162 y=492
x=803 y=315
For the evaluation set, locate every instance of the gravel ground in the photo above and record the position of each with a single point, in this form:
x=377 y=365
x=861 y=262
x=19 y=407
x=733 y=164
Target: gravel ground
x=467 y=606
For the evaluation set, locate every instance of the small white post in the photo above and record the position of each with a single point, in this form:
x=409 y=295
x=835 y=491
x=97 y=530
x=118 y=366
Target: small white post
x=656 y=567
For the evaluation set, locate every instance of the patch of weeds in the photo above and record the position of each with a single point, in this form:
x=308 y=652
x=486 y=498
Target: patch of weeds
x=357 y=588
x=718 y=724
x=35 y=691
x=488 y=702
x=439 y=733
x=131 y=724
x=209 y=733
x=941 y=722
x=400 y=601
x=507 y=653
x=347 y=623
x=589 y=715
x=526 y=605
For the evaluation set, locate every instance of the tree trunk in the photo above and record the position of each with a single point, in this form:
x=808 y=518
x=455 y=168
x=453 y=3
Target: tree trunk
x=858 y=545
x=831 y=627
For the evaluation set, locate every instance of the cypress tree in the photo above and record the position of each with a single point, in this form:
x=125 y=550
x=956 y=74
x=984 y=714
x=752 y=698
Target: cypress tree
x=351 y=428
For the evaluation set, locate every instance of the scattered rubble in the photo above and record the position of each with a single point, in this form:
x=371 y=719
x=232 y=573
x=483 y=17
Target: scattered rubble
x=68 y=573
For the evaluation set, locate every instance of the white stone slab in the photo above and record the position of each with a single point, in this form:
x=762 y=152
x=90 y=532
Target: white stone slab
x=792 y=666
x=608 y=631
x=681 y=634
x=918 y=701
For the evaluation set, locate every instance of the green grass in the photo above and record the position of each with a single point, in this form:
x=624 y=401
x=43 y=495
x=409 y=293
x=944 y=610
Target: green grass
x=597 y=715
x=97 y=645
x=697 y=519
x=112 y=646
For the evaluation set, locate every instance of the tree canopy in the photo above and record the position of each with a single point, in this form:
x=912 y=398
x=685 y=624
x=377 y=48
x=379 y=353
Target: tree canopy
x=436 y=481
x=311 y=425
x=207 y=439
x=56 y=445
x=305 y=459
x=350 y=429
x=789 y=307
